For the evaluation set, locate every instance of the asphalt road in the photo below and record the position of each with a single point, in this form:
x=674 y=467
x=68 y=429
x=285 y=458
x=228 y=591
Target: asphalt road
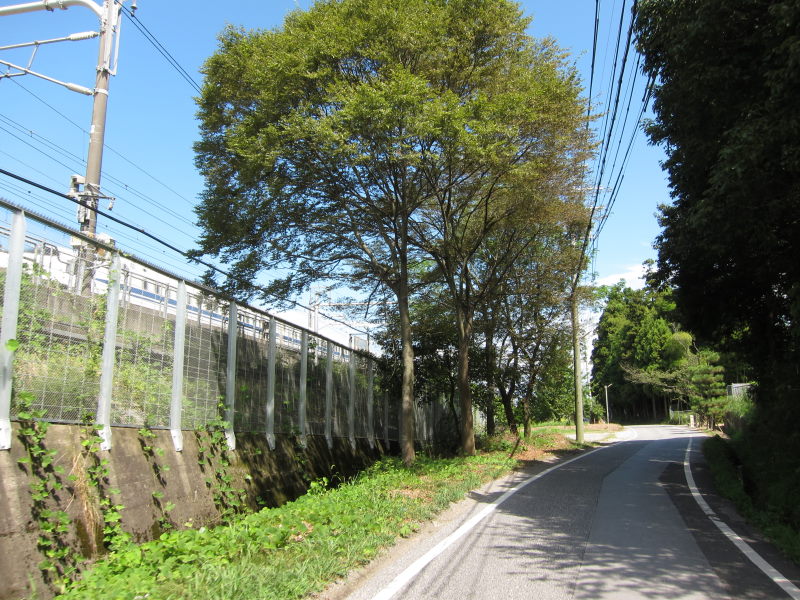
x=619 y=522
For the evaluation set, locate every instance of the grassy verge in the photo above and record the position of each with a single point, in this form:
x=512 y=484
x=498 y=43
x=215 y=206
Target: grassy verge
x=728 y=483
x=296 y=549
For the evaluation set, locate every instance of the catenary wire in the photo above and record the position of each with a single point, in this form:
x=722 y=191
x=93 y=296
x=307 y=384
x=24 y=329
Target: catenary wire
x=106 y=146
x=148 y=35
x=164 y=243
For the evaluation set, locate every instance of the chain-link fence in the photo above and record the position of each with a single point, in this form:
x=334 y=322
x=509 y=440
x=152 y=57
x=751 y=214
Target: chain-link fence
x=116 y=341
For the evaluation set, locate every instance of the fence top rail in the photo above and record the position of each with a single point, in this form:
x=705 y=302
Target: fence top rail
x=53 y=224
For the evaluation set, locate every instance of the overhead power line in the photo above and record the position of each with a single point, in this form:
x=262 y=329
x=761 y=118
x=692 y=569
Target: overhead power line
x=106 y=146
x=594 y=56
x=148 y=35
x=621 y=173
x=164 y=243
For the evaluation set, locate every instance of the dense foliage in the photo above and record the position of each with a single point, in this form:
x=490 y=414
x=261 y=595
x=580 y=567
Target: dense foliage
x=726 y=79
x=653 y=367
x=725 y=103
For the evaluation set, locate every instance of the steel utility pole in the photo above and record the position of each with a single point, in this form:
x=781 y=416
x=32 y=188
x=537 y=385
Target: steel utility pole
x=576 y=362
x=608 y=412
x=109 y=18
x=94 y=161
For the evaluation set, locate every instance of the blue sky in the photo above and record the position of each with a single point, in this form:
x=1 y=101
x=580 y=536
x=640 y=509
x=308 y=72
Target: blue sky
x=151 y=122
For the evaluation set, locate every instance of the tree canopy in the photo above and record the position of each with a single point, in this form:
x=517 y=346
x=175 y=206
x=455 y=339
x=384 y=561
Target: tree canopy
x=726 y=81
x=726 y=78
x=366 y=136
x=640 y=351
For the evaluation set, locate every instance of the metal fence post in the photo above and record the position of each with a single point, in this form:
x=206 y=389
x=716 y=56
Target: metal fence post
x=370 y=407
x=351 y=401
x=303 y=387
x=109 y=354
x=16 y=251
x=386 y=420
x=273 y=346
x=400 y=422
x=230 y=374
x=177 y=368
x=329 y=396
x=431 y=417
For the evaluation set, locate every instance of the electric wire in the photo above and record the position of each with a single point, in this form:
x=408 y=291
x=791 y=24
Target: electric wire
x=31 y=167
x=27 y=143
x=164 y=243
x=621 y=174
x=610 y=123
x=82 y=165
x=148 y=35
x=134 y=245
x=594 y=56
x=609 y=128
x=585 y=238
x=106 y=146
x=625 y=120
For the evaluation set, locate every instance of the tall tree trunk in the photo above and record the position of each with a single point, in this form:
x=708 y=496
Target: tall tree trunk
x=507 y=397
x=508 y=408
x=527 y=409
x=464 y=318
x=491 y=371
x=576 y=361
x=407 y=394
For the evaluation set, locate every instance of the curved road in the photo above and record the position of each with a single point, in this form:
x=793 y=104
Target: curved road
x=619 y=522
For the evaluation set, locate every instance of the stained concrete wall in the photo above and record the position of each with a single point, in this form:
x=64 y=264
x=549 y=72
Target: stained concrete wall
x=269 y=477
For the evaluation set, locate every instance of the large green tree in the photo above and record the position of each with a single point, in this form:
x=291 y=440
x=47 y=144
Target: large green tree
x=726 y=82
x=632 y=337
x=727 y=78
x=363 y=132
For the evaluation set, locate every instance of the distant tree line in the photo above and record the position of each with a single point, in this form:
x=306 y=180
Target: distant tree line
x=653 y=367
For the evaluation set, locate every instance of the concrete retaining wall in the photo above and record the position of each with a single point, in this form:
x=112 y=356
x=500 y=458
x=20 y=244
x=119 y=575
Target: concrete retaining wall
x=269 y=478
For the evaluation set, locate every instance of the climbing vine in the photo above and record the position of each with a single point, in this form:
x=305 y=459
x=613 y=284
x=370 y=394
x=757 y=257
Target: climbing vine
x=154 y=456
x=214 y=459
x=96 y=468
x=59 y=564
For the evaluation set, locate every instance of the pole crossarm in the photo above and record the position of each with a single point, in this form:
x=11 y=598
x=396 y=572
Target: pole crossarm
x=50 y=5
x=108 y=15
x=73 y=37
x=70 y=86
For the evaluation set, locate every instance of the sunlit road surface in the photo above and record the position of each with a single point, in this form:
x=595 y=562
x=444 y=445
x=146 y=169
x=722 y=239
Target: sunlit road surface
x=618 y=523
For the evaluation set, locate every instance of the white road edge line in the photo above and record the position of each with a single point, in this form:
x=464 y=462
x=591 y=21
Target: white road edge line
x=414 y=568
x=768 y=570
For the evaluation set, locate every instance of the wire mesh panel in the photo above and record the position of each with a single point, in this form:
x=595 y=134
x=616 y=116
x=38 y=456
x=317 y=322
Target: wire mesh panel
x=252 y=354
x=287 y=380
x=341 y=390
x=379 y=411
x=394 y=418
x=361 y=383
x=315 y=405
x=60 y=331
x=144 y=348
x=423 y=421
x=205 y=360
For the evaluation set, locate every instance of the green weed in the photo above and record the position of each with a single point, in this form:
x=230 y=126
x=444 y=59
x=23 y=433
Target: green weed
x=728 y=482
x=298 y=548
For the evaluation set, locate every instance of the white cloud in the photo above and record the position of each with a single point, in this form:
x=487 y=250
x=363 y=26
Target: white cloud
x=633 y=276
